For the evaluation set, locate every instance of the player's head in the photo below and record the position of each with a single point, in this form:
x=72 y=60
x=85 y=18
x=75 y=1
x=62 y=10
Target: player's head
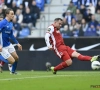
x=58 y=23
x=9 y=14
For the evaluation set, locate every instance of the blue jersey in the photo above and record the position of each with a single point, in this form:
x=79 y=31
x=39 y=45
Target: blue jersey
x=6 y=33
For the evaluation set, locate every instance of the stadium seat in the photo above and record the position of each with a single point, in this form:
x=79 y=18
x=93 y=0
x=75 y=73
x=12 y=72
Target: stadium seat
x=24 y=33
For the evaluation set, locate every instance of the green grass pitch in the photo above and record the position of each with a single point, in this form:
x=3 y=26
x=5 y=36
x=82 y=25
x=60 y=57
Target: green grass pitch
x=42 y=80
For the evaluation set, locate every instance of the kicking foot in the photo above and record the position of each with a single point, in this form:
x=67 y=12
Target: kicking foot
x=54 y=72
x=94 y=58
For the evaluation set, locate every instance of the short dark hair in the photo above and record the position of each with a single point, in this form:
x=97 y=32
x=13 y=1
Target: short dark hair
x=57 y=19
x=8 y=10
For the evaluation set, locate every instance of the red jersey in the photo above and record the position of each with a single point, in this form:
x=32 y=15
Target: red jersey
x=55 y=37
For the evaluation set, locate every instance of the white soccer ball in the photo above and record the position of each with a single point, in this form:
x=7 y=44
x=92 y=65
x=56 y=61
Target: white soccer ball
x=48 y=64
x=95 y=65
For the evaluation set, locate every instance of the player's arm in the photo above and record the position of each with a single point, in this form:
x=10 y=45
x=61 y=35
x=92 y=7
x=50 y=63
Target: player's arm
x=15 y=40
x=47 y=37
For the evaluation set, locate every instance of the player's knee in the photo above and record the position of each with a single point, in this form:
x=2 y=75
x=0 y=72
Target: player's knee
x=16 y=57
x=12 y=61
x=69 y=62
x=75 y=54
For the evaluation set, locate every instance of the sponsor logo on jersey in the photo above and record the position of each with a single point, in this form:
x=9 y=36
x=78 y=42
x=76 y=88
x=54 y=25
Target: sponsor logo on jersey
x=7 y=32
x=49 y=29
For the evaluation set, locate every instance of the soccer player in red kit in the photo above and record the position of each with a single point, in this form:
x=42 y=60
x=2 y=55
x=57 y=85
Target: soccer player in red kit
x=54 y=41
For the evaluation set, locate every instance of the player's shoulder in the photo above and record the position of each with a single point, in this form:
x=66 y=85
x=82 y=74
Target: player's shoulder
x=4 y=21
x=50 y=28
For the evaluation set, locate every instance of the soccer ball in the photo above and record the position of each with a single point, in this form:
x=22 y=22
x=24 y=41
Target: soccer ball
x=48 y=64
x=95 y=65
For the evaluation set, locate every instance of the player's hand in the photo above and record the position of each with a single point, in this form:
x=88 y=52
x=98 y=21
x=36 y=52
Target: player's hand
x=0 y=48
x=50 y=48
x=19 y=47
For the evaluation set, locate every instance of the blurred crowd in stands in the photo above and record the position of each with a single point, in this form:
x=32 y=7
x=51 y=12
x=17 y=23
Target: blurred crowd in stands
x=26 y=14
x=82 y=18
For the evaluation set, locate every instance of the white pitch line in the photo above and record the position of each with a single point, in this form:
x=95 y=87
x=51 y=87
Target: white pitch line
x=49 y=76
x=36 y=77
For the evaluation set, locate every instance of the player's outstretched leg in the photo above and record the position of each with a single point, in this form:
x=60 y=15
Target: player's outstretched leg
x=85 y=57
x=61 y=66
x=94 y=58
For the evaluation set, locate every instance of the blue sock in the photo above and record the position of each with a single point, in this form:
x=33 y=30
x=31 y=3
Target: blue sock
x=2 y=59
x=14 y=66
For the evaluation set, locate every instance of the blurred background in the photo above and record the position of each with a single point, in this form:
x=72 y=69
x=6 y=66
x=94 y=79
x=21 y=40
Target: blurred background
x=80 y=29
x=32 y=17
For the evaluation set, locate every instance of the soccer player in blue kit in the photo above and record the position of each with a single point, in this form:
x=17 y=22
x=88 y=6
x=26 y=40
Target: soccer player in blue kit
x=7 y=50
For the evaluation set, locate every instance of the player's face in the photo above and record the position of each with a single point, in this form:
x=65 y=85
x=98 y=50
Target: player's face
x=58 y=24
x=10 y=15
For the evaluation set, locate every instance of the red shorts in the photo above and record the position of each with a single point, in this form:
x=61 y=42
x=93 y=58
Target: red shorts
x=64 y=52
